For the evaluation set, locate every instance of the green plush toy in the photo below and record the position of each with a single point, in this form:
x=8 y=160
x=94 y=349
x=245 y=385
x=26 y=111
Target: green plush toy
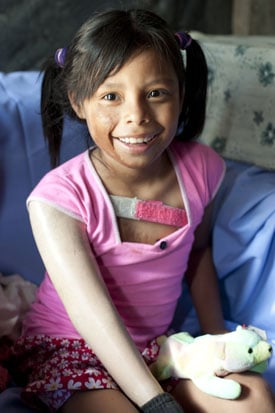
x=208 y=358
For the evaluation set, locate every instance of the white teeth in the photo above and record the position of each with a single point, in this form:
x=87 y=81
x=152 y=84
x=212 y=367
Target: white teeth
x=136 y=140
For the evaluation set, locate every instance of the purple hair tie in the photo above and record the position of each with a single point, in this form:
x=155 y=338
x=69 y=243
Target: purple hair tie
x=184 y=39
x=60 y=56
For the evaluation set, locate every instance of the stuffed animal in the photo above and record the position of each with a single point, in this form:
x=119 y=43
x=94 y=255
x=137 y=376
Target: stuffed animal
x=208 y=358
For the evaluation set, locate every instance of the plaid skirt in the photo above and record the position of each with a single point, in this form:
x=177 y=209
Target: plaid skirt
x=55 y=368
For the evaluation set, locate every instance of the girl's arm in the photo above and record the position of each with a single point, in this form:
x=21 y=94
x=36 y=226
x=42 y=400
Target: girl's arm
x=202 y=279
x=65 y=250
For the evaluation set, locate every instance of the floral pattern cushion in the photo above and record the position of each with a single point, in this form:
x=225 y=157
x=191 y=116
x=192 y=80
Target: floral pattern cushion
x=240 y=122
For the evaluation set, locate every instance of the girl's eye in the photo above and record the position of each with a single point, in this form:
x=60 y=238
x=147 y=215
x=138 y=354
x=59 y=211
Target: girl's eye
x=110 y=96
x=157 y=93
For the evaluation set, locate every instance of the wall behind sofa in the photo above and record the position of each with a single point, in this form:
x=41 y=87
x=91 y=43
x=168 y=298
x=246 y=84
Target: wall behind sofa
x=31 y=29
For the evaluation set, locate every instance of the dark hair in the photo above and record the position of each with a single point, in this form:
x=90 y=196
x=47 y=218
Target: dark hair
x=101 y=46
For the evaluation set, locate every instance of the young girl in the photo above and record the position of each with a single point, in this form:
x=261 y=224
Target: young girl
x=117 y=225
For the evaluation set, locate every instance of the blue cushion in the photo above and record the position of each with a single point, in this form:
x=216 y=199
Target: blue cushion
x=244 y=251
x=244 y=248
x=23 y=161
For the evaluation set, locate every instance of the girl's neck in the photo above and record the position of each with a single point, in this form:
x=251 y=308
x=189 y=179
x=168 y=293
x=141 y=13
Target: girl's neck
x=125 y=181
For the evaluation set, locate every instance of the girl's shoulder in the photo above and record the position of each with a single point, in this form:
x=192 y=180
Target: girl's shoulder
x=199 y=165
x=72 y=171
x=70 y=167
x=67 y=185
x=194 y=149
x=193 y=154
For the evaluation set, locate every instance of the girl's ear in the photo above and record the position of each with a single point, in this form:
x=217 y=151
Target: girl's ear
x=77 y=107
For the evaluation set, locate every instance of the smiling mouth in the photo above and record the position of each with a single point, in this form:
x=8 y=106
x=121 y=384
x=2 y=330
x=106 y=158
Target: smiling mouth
x=133 y=141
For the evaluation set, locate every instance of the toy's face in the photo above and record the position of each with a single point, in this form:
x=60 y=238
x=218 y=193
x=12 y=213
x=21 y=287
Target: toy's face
x=240 y=357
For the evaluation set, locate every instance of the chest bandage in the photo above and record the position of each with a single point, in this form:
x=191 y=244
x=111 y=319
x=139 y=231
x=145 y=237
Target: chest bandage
x=151 y=211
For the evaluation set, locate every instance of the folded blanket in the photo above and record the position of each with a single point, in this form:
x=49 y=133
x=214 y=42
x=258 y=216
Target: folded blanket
x=16 y=295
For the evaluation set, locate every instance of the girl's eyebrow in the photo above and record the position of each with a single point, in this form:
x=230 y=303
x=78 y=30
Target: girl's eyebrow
x=111 y=84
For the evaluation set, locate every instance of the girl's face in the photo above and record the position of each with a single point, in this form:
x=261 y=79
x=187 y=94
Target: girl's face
x=133 y=116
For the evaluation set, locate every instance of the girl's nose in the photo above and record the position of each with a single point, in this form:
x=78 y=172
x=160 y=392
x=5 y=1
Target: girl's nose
x=137 y=112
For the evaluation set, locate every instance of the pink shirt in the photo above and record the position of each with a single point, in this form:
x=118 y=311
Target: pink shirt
x=144 y=280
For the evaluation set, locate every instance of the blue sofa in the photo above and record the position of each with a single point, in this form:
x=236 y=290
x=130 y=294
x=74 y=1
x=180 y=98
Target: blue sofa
x=243 y=224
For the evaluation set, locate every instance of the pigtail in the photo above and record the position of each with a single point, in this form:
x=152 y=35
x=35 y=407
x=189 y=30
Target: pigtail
x=52 y=110
x=194 y=106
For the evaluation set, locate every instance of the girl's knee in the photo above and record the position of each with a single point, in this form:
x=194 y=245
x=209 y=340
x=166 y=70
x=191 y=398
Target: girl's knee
x=260 y=389
x=256 y=394
x=256 y=397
